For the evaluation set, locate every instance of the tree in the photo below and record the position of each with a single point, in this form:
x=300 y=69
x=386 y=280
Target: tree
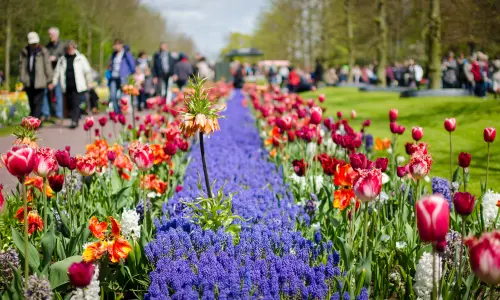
x=434 y=53
x=382 y=41
x=350 y=35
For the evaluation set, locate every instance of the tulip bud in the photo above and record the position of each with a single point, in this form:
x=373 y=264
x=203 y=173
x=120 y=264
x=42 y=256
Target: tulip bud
x=291 y=136
x=401 y=130
x=394 y=127
x=450 y=124
x=2 y=200
x=178 y=188
x=299 y=167
x=170 y=149
x=433 y=218
x=417 y=133
x=393 y=115
x=484 y=256
x=368 y=184
x=463 y=203
x=381 y=163
x=121 y=119
x=339 y=115
x=353 y=114
x=321 y=98
x=111 y=155
x=489 y=134
x=89 y=122
x=62 y=157
x=80 y=274
x=72 y=163
x=103 y=120
x=359 y=161
x=316 y=115
x=68 y=148
x=56 y=182
x=97 y=132
x=464 y=160
x=402 y=171
x=367 y=123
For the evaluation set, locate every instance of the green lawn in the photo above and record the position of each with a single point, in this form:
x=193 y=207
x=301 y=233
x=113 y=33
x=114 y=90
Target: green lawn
x=472 y=115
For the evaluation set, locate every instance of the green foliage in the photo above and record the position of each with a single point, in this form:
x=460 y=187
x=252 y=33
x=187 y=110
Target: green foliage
x=216 y=212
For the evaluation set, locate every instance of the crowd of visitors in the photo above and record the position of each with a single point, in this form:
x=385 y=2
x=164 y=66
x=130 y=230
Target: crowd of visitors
x=58 y=77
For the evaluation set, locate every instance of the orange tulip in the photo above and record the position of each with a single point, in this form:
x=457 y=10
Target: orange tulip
x=118 y=249
x=95 y=251
x=35 y=222
x=97 y=228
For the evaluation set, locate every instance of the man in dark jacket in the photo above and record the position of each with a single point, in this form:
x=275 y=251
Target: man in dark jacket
x=121 y=65
x=35 y=72
x=163 y=68
x=56 y=49
x=182 y=71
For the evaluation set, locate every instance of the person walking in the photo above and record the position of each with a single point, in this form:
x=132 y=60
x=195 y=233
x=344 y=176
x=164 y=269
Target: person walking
x=182 y=71
x=163 y=68
x=450 y=69
x=318 y=72
x=35 y=73
x=203 y=69
x=74 y=75
x=121 y=65
x=56 y=50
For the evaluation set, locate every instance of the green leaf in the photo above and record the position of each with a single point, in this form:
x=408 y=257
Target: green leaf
x=33 y=255
x=48 y=246
x=59 y=271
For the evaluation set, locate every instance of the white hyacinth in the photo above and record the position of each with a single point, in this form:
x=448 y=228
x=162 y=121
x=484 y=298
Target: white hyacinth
x=300 y=181
x=91 y=292
x=130 y=224
x=330 y=145
x=311 y=149
x=400 y=159
x=423 y=276
x=490 y=208
x=318 y=180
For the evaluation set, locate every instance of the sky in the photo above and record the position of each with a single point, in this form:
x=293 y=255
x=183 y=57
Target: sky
x=209 y=22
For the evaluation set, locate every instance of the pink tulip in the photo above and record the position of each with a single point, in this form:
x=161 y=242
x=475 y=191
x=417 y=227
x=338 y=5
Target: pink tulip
x=121 y=119
x=31 y=123
x=382 y=163
x=417 y=133
x=402 y=171
x=321 y=98
x=433 y=218
x=111 y=155
x=393 y=126
x=80 y=274
x=420 y=164
x=19 y=161
x=401 y=130
x=463 y=203
x=484 y=256
x=86 y=166
x=450 y=124
x=72 y=163
x=89 y=122
x=316 y=115
x=393 y=115
x=339 y=115
x=489 y=134
x=284 y=123
x=62 y=157
x=143 y=158
x=45 y=162
x=103 y=120
x=368 y=184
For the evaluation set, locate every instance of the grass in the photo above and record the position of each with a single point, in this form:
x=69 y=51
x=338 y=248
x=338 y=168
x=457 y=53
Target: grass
x=472 y=115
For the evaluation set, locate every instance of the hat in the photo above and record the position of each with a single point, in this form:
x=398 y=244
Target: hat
x=33 y=38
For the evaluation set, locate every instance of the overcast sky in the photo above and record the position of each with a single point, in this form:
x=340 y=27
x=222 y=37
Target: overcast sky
x=209 y=22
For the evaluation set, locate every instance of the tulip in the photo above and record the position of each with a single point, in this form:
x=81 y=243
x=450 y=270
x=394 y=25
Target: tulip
x=420 y=165
x=89 y=122
x=284 y=123
x=464 y=159
x=463 y=203
x=2 y=200
x=62 y=157
x=410 y=148
x=381 y=163
x=80 y=274
x=353 y=114
x=393 y=115
x=113 y=116
x=368 y=184
x=402 y=171
x=433 y=218
x=19 y=161
x=170 y=149
x=31 y=123
x=316 y=115
x=143 y=158
x=103 y=120
x=401 y=130
x=417 y=133
x=178 y=188
x=450 y=124
x=367 y=123
x=97 y=132
x=339 y=115
x=484 y=257
x=67 y=148
x=85 y=165
x=328 y=123
x=489 y=134
x=299 y=167
x=111 y=155
x=359 y=161
x=56 y=182
x=45 y=162
x=394 y=127
x=121 y=119
x=72 y=163
x=321 y=98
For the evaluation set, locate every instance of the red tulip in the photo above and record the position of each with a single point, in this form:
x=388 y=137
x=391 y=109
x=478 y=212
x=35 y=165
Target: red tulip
x=103 y=120
x=299 y=167
x=89 y=122
x=464 y=159
x=381 y=163
x=484 y=256
x=339 y=115
x=62 y=157
x=113 y=116
x=72 y=163
x=183 y=145
x=393 y=115
x=417 y=133
x=321 y=98
x=316 y=115
x=45 y=162
x=410 y=148
x=56 y=182
x=353 y=114
x=433 y=218
x=328 y=123
x=178 y=188
x=489 y=134
x=19 y=161
x=97 y=132
x=401 y=129
x=450 y=124
x=463 y=203
x=85 y=165
x=80 y=274
x=31 y=123
x=393 y=126
x=284 y=123
x=121 y=119
x=368 y=184
x=367 y=123
x=291 y=136
x=359 y=161
x=143 y=158
x=170 y=148
x=67 y=148
x=402 y=171
x=111 y=155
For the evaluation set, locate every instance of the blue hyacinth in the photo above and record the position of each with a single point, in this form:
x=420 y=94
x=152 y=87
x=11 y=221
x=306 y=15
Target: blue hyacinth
x=442 y=186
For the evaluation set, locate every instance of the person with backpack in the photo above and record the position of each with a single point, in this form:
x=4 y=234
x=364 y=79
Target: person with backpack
x=121 y=65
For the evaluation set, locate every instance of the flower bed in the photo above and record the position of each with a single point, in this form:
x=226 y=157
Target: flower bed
x=270 y=260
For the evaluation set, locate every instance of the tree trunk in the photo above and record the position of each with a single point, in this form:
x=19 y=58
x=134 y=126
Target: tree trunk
x=350 y=36
x=8 y=40
x=434 y=45
x=382 y=41
x=89 y=43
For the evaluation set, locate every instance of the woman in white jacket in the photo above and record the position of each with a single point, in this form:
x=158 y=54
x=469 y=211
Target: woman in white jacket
x=74 y=74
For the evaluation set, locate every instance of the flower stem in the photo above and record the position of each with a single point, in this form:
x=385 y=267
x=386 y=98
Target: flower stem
x=205 y=172
x=487 y=168
x=460 y=267
x=451 y=172
x=26 y=265
x=365 y=234
x=434 y=285
x=45 y=206
x=465 y=183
